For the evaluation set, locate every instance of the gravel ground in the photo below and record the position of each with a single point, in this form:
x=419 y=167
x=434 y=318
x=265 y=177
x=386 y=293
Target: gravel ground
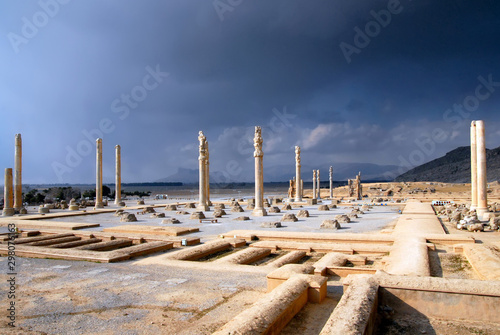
x=68 y=297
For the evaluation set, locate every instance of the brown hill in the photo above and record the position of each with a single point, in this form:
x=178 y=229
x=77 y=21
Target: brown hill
x=454 y=167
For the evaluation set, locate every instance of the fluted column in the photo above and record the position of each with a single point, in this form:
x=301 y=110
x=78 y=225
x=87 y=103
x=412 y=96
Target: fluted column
x=207 y=177
x=473 y=165
x=202 y=205
x=318 y=188
x=8 y=201
x=118 y=176
x=298 y=178
x=331 y=182
x=98 y=179
x=314 y=185
x=482 y=199
x=259 y=174
x=18 y=166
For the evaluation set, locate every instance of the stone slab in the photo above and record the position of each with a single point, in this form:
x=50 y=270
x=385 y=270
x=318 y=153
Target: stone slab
x=88 y=255
x=250 y=235
x=139 y=229
x=349 y=249
x=41 y=224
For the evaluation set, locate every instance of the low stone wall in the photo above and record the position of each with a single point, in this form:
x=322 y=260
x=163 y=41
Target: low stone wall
x=289 y=258
x=330 y=259
x=446 y=299
x=484 y=260
x=409 y=256
x=245 y=256
x=357 y=309
x=199 y=251
x=272 y=313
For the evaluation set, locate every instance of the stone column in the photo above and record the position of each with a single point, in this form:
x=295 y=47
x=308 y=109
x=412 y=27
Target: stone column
x=482 y=182
x=118 y=176
x=314 y=185
x=259 y=174
x=331 y=182
x=207 y=177
x=98 y=179
x=318 y=188
x=202 y=205
x=18 y=166
x=473 y=165
x=8 y=194
x=298 y=178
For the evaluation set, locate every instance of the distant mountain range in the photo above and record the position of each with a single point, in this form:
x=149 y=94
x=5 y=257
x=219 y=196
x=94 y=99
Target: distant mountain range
x=283 y=173
x=454 y=167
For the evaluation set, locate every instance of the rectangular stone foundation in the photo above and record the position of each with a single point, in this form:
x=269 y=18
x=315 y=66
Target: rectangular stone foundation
x=88 y=255
x=168 y=231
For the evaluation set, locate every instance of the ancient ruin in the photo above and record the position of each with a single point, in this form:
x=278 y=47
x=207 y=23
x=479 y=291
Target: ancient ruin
x=98 y=182
x=207 y=176
x=318 y=188
x=298 y=178
x=478 y=182
x=331 y=181
x=8 y=194
x=118 y=176
x=355 y=187
x=203 y=202
x=338 y=267
x=259 y=209
x=314 y=189
x=18 y=184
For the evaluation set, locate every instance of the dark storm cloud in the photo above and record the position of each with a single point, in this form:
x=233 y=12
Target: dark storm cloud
x=89 y=70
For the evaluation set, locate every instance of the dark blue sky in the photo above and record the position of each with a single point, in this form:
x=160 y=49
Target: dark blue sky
x=348 y=81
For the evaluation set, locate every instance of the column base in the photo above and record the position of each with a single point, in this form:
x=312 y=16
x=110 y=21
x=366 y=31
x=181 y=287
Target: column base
x=298 y=199
x=119 y=203
x=481 y=212
x=8 y=212
x=472 y=207
x=203 y=208
x=99 y=205
x=259 y=212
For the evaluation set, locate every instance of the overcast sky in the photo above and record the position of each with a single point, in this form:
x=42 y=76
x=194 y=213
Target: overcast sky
x=349 y=81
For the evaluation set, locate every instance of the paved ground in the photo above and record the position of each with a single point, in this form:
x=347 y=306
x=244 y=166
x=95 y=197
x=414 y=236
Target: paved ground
x=68 y=297
x=373 y=220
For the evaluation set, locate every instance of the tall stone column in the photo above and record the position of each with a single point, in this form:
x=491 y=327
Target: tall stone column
x=331 y=182
x=473 y=165
x=8 y=194
x=482 y=199
x=314 y=185
x=118 y=176
x=318 y=188
x=18 y=166
x=98 y=178
x=359 y=187
x=207 y=177
x=259 y=174
x=298 y=178
x=202 y=205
